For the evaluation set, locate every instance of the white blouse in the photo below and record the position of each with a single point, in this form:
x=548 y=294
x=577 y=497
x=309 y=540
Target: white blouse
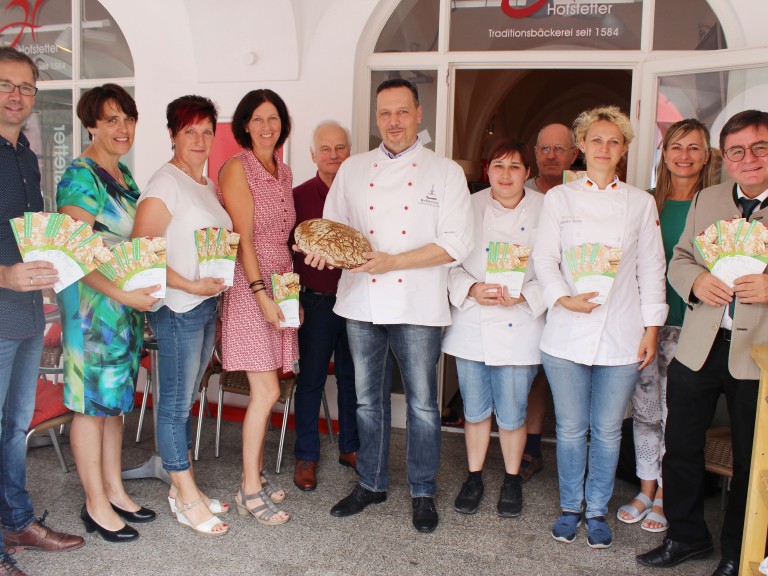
x=497 y=335
x=621 y=216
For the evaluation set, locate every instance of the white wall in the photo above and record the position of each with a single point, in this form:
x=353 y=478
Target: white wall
x=305 y=50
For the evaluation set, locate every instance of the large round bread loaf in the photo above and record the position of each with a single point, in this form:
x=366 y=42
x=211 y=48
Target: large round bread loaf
x=340 y=245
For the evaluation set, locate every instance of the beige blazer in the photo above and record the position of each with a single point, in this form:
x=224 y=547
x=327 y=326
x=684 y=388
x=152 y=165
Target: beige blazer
x=702 y=321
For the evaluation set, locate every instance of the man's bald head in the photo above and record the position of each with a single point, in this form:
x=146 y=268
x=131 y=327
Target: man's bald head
x=555 y=152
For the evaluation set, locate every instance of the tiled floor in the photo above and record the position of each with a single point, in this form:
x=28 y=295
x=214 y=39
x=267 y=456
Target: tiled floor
x=380 y=541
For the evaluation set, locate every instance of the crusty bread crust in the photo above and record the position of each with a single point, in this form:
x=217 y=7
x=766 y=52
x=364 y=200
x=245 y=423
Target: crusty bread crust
x=340 y=245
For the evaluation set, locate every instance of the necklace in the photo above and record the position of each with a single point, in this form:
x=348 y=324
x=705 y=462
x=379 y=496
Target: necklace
x=178 y=165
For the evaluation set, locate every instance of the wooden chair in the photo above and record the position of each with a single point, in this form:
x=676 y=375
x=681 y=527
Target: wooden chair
x=718 y=458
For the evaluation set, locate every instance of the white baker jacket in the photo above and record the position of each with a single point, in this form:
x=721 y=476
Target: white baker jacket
x=497 y=335
x=621 y=216
x=401 y=204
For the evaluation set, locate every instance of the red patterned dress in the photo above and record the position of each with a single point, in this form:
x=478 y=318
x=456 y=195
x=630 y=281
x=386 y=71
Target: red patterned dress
x=249 y=342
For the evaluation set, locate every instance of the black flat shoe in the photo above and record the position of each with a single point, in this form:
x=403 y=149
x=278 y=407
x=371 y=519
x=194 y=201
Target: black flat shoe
x=727 y=567
x=470 y=495
x=672 y=553
x=357 y=501
x=141 y=515
x=125 y=534
x=424 y=514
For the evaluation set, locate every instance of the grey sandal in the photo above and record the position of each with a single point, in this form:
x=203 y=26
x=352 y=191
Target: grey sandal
x=266 y=513
x=270 y=490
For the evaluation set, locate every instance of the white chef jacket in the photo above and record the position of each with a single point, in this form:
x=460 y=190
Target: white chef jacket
x=401 y=204
x=619 y=216
x=497 y=335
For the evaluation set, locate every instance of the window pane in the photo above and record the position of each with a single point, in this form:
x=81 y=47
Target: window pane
x=49 y=130
x=426 y=83
x=545 y=24
x=411 y=28
x=686 y=25
x=105 y=52
x=712 y=97
x=42 y=31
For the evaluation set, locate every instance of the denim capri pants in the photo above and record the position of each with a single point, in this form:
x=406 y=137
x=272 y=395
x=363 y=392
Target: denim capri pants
x=500 y=389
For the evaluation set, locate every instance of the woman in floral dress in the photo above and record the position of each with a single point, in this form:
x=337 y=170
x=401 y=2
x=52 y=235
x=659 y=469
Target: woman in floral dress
x=102 y=325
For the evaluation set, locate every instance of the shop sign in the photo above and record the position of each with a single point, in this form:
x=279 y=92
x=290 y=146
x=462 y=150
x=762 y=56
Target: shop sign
x=478 y=25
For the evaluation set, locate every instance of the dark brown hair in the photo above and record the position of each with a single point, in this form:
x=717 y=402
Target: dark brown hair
x=9 y=54
x=746 y=119
x=90 y=108
x=399 y=83
x=244 y=111
x=506 y=147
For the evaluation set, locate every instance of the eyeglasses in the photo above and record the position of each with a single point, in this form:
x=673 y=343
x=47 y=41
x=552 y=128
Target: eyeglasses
x=24 y=89
x=559 y=150
x=737 y=153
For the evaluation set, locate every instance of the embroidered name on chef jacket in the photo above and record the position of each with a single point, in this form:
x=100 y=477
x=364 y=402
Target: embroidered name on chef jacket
x=571 y=220
x=430 y=199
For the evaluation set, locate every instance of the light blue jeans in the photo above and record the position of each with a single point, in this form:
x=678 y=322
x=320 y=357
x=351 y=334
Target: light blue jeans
x=19 y=365
x=185 y=341
x=588 y=399
x=417 y=350
x=500 y=389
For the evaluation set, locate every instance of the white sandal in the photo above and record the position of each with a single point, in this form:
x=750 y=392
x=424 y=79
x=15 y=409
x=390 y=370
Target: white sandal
x=205 y=528
x=217 y=507
x=656 y=517
x=635 y=514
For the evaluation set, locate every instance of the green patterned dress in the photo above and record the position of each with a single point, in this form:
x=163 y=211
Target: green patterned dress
x=101 y=338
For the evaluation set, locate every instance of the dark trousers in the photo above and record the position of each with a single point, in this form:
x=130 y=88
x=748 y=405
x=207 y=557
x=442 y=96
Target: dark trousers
x=691 y=402
x=323 y=334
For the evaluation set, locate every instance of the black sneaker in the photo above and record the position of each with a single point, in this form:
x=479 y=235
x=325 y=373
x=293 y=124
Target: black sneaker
x=511 y=497
x=468 y=500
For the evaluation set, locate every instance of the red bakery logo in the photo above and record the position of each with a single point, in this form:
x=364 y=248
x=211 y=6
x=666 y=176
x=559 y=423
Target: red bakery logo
x=506 y=6
x=30 y=19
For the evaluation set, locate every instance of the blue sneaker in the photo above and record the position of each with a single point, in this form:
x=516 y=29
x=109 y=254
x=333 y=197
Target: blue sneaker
x=564 y=530
x=599 y=535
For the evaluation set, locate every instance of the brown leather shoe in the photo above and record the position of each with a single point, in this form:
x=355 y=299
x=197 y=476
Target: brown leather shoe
x=305 y=475
x=534 y=465
x=349 y=459
x=38 y=536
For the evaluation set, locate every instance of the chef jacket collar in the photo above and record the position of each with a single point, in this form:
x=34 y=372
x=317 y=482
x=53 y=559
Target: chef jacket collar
x=589 y=183
x=404 y=152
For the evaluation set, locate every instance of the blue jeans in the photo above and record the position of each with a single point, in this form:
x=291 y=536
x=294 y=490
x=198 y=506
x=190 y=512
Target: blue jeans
x=185 y=341
x=323 y=334
x=19 y=364
x=588 y=398
x=500 y=389
x=417 y=350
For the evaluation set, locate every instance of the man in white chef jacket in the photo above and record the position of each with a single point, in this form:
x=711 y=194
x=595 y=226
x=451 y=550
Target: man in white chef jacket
x=413 y=206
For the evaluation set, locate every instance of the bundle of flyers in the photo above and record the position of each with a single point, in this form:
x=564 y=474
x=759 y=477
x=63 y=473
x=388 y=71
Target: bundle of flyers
x=593 y=269
x=71 y=246
x=216 y=252
x=506 y=265
x=285 y=291
x=733 y=248
x=573 y=175
x=138 y=263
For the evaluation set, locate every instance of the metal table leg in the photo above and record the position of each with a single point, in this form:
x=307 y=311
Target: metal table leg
x=152 y=468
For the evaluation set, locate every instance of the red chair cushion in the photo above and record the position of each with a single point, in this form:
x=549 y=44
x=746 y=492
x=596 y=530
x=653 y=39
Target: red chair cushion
x=49 y=402
x=52 y=338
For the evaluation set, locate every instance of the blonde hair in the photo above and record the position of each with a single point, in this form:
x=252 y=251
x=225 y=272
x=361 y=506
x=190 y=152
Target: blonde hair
x=611 y=114
x=677 y=131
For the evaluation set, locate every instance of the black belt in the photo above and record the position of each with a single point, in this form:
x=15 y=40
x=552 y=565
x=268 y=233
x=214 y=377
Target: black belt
x=315 y=292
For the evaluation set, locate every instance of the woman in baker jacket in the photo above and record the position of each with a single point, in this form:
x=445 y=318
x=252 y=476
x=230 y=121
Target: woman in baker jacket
x=497 y=368
x=597 y=231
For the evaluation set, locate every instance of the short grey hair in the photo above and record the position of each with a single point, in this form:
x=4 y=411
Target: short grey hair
x=329 y=124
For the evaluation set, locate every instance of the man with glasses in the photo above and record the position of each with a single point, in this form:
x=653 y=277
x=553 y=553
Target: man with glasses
x=555 y=152
x=21 y=316
x=713 y=356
